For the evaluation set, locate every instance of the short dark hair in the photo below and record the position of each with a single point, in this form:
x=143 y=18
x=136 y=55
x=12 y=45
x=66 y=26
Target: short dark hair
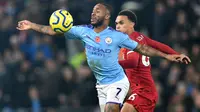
x=108 y=7
x=130 y=14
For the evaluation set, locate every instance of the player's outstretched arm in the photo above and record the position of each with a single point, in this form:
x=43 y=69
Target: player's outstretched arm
x=27 y=25
x=166 y=49
x=160 y=46
x=149 y=51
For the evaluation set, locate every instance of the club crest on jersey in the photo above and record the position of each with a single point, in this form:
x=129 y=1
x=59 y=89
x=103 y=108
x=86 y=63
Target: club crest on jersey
x=108 y=40
x=97 y=39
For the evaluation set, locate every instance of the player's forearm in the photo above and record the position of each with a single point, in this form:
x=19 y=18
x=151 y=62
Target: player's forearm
x=149 y=51
x=43 y=29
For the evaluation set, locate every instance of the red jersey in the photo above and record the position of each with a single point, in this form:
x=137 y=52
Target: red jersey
x=137 y=66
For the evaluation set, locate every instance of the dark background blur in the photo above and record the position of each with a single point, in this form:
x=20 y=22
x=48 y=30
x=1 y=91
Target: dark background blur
x=39 y=73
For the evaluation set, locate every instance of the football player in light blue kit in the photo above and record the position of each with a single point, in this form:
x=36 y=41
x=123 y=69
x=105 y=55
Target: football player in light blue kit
x=102 y=45
x=102 y=50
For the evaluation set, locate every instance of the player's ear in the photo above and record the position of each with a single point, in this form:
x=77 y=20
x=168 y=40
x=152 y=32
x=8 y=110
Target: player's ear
x=132 y=24
x=107 y=16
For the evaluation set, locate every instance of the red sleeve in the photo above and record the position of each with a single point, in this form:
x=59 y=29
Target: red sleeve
x=131 y=61
x=126 y=64
x=160 y=46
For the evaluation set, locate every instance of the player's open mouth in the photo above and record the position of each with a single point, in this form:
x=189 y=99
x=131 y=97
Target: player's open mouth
x=93 y=19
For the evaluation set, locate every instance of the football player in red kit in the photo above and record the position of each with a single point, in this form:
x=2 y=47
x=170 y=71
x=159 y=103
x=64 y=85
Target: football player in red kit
x=143 y=95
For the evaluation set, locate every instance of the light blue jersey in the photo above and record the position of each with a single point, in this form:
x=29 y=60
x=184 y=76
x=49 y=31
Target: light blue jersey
x=102 y=51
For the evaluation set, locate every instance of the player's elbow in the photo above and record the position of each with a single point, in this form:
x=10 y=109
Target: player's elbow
x=53 y=33
x=142 y=49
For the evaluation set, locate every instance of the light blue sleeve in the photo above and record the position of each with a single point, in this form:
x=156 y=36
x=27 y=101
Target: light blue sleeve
x=127 y=42
x=75 y=32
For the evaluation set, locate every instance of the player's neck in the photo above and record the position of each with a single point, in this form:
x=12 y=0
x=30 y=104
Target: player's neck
x=100 y=28
x=130 y=31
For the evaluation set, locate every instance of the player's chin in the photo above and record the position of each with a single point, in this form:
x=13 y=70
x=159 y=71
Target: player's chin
x=93 y=23
x=121 y=31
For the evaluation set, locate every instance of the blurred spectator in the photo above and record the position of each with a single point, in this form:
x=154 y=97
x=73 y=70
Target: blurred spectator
x=68 y=85
x=159 y=22
x=21 y=81
x=35 y=101
x=47 y=81
x=86 y=85
x=197 y=103
x=38 y=45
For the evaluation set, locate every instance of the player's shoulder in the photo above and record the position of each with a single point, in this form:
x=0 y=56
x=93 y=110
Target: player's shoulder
x=82 y=28
x=139 y=36
x=117 y=32
x=85 y=26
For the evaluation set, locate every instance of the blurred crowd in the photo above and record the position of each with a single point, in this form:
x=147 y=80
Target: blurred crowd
x=40 y=73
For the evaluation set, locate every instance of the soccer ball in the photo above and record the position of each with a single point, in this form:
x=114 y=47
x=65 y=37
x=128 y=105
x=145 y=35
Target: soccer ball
x=61 y=21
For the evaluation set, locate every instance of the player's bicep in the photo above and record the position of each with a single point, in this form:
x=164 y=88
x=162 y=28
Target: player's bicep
x=152 y=43
x=74 y=33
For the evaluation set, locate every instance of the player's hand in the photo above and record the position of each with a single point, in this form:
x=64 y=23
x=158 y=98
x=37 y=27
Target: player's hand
x=173 y=57
x=184 y=59
x=24 y=25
